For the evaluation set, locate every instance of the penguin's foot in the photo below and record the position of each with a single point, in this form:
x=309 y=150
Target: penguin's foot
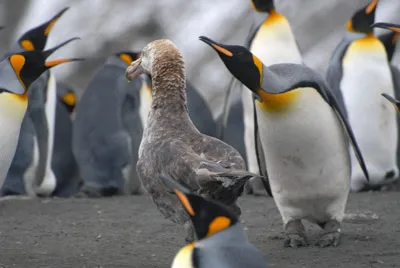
x=295 y=241
x=331 y=236
x=295 y=234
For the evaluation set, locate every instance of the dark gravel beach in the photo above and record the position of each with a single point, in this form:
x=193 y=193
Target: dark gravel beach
x=130 y=232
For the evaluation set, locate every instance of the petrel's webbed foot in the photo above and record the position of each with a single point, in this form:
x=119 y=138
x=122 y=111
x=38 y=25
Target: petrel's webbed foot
x=331 y=236
x=295 y=234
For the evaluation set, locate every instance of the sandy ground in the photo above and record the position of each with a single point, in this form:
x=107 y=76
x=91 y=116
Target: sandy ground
x=129 y=232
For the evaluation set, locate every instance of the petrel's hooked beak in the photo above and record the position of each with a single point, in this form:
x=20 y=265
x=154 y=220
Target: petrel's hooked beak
x=134 y=70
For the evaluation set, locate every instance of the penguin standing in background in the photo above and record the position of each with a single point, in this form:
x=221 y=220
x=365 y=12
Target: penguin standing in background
x=272 y=42
x=30 y=164
x=17 y=73
x=358 y=74
x=304 y=136
x=101 y=142
x=63 y=161
x=221 y=239
x=389 y=40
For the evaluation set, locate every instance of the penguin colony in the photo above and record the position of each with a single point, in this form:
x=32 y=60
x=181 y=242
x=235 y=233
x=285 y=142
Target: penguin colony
x=140 y=126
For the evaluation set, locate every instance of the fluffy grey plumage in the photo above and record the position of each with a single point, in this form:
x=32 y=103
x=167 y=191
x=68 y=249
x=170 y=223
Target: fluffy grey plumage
x=172 y=144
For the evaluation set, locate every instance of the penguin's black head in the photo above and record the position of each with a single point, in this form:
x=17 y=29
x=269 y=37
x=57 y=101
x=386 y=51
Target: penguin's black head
x=263 y=5
x=29 y=65
x=208 y=217
x=36 y=38
x=389 y=40
x=127 y=56
x=245 y=66
x=395 y=102
x=361 y=21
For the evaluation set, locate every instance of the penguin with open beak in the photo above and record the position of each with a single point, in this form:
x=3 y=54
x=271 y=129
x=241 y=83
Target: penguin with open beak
x=17 y=73
x=101 y=142
x=30 y=170
x=63 y=161
x=304 y=136
x=221 y=240
x=359 y=72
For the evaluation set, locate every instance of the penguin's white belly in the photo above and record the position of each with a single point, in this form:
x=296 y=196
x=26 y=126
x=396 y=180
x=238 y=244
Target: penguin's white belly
x=49 y=180
x=145 y=103
x=30 y=173
x=373 y=119
x=12 y=112
x=272 y=45
x=307 y=158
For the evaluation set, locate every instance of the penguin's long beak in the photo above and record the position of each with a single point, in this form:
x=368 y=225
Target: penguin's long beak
x=50 y=24
x=134 y=70
x=181 y=192
x=389 y=26
x=395 y=102
x=220 y=48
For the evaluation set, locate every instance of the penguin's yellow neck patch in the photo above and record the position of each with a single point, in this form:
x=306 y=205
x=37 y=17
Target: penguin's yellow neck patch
x=184 y=257
x=218 y=224
x=22 y=97
x=274 y=18
x=277 y=102
x=368 y=43
x=145 y=92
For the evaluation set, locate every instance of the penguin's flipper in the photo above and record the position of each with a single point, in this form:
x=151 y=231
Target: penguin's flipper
x=334 y=104
x=335 y=72
x=260 y=155
x=396 y=81
x=223 y=123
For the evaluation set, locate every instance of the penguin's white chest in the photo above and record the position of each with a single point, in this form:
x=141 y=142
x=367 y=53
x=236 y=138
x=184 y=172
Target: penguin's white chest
x=145 y=103
x=12 y=112
x=306 y=155
x=366 y=75
x=184 y=258
x=273 y=43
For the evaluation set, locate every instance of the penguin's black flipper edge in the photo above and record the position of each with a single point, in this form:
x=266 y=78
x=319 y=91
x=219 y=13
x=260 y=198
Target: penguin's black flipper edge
x=260 y=155
x=335 y=73
x=334 y=104
x=223 y=123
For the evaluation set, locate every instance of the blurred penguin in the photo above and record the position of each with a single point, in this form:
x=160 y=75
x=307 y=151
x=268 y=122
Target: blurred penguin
x=101 y=142
x=63 y=161
x=18 y=72
x=30 y=170
x=359 y=72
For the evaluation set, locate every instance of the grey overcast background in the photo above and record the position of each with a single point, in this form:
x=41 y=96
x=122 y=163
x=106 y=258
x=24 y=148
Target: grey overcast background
x=107 y=26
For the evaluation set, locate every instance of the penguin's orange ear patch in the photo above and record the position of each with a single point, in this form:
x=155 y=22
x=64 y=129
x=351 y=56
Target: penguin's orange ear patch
x=218 y=224
x=17 y=62
x=27 y=45
x=185 y=202
x=69 y=99
x=126 y=58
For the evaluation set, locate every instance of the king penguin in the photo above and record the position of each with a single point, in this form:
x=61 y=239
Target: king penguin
x=29 y=169
x=221 y=240
x=17 y=73
x=101 y=141
x=63 y=161
x=272 y=42
x=304 y=136
x=358 y=73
